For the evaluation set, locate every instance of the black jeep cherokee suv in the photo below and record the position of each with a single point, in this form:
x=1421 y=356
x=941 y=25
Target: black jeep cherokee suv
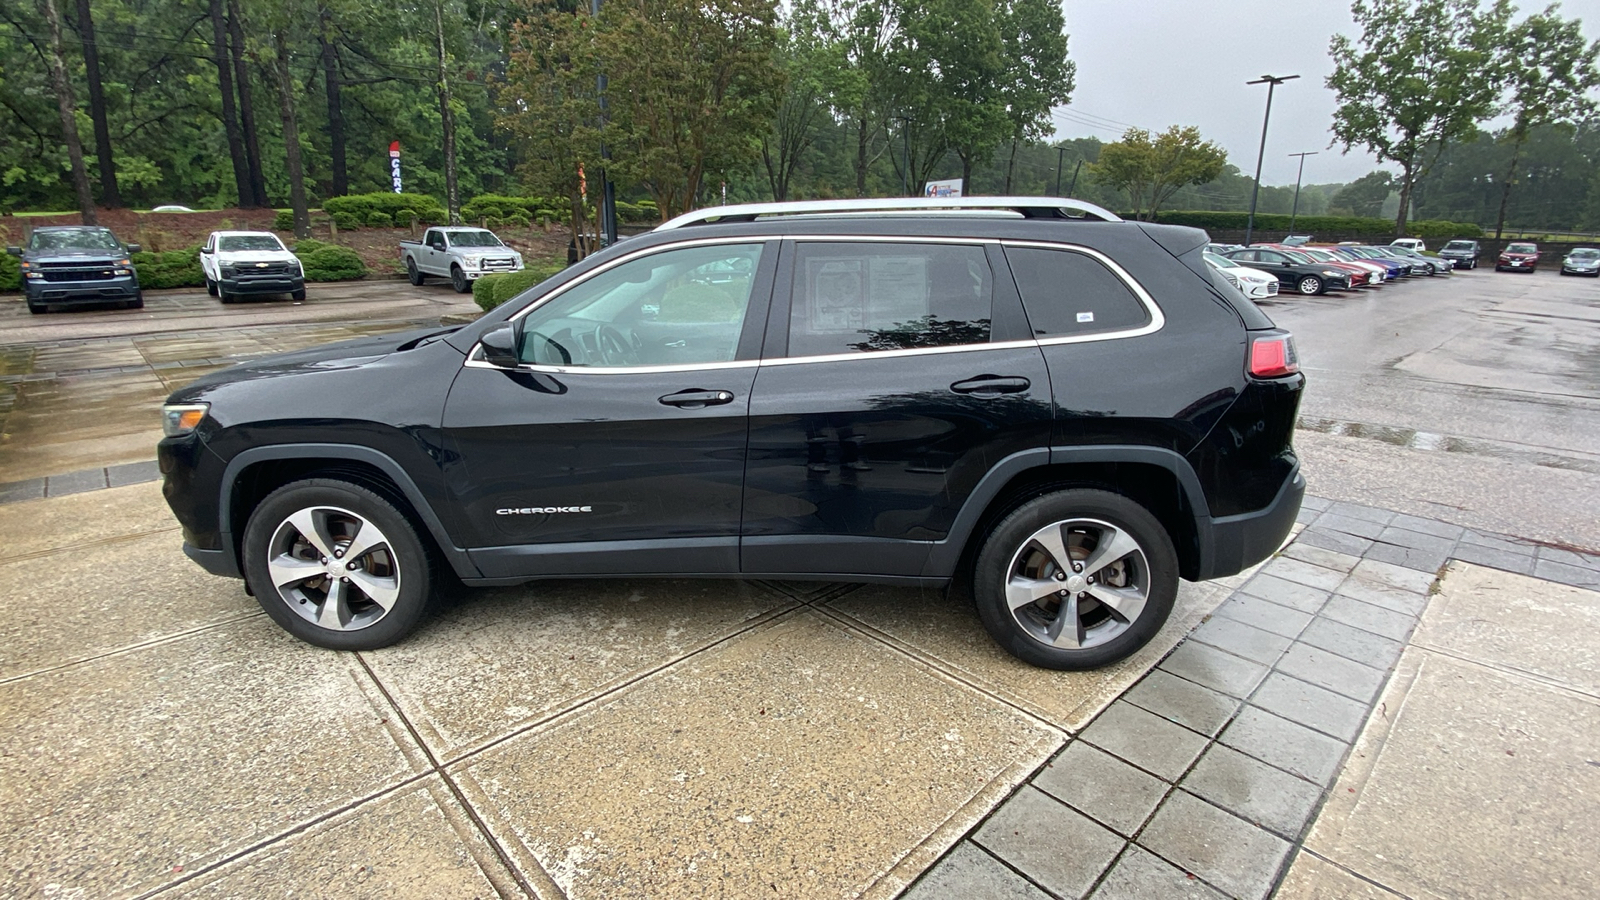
x=1071 y=410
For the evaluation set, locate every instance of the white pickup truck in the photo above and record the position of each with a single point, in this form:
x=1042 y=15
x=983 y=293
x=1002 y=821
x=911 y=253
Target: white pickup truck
x=462 y=255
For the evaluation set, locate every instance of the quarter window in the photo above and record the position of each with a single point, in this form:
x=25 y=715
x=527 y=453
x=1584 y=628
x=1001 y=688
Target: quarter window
x=867 y=298
x=1066 y=293
x=677 y=307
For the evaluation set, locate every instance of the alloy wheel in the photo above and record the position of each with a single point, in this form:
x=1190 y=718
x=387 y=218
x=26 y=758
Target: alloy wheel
x=1310 y=285
x=333 y=568
x=1077 y=583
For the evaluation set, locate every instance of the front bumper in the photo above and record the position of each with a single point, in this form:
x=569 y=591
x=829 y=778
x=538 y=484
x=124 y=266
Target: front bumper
x=101 y=291
x=1573 y=270
x=1515 y=264
x=263 y=284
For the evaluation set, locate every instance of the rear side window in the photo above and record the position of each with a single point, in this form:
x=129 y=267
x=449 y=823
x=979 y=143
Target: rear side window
x=1068 y=294
x=866 y=298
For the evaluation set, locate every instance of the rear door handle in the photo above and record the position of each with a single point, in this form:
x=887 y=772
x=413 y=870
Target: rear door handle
x=988 y=385
x=696 y=399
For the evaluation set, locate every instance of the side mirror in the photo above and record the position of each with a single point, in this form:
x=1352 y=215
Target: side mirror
x=14 y=251
x=500 y=346
x=205 y=249
x=134 y=248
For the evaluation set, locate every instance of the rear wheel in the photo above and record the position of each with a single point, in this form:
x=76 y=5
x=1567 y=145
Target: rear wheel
x=337 y=565
x=1075 y=579
x=1309 y=285
x=458 y=280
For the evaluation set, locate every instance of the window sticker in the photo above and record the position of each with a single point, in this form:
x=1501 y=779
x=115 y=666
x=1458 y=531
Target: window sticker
x=1085 y=317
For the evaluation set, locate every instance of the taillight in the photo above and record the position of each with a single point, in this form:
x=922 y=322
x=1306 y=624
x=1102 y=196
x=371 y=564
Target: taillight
x=1272 y=356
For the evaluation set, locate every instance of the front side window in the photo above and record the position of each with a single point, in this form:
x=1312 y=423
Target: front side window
x=867 y=298
x=240 y=242
x=677 y=307
x=1067 y=294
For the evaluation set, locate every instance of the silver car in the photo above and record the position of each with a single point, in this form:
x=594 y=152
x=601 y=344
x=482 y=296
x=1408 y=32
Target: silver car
x=1582 y=261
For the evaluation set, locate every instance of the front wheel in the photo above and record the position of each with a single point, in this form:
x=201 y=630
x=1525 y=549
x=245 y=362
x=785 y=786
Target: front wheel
x=412 y=274
x=136 y=303
x=1076 y=579
x=37 y=309
x=458 y=280
x=337 y=565
x=298 y=295
x=211 y=287
x=1309 y=285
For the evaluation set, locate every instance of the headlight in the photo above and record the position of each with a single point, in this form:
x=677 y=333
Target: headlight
x=229 y=269
x=1329 y=273
x=121 y=271
x=179 y=419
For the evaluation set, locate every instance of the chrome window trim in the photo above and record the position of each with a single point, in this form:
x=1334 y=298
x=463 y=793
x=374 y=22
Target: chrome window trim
x=1157 y=321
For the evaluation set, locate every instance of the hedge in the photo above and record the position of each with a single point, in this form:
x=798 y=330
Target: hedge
x=1237 y=221
x=10 y=273
x=397 y=208
x=329 y=262
x=169 y=269
x=492 y=290
x=501 y=209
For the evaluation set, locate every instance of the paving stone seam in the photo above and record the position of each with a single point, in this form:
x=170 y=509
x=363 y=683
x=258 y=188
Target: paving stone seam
x=1503 y=669
x=1348 y=871
x=294 y=830
x=467 y=808
x=100 y=542
x=131 y=648
x=463 y=757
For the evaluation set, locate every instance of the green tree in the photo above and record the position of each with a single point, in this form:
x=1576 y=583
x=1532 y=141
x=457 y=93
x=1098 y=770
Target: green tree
x=1551 y=69
x=1422 y=74
x=1363 y=197
x=1152 y=169
x=807 y=57
x=1038 y=74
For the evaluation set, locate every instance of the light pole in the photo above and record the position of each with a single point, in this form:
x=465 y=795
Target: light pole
x=1271 y=81
x=905 y=155
x=1296 y=210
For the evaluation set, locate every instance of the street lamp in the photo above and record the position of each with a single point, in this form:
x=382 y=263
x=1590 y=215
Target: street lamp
x=1271 y=81
x=1296 y=210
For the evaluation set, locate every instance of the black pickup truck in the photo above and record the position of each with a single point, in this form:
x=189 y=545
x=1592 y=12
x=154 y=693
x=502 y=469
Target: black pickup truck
x=77 y=264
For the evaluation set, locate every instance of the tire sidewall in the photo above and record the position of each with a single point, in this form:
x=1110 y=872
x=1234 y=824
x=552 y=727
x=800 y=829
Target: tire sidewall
x=1006 y=538
x=458 y=280
x=1312 y=280
x=412 y=273
x=412 y=557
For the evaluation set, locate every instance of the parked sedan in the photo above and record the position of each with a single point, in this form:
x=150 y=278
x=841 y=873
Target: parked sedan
x=1253 y=283
x=1582 y=261
x=1360 y=275
x=1522 y=256
x=1304 y=277
x=1433 y=264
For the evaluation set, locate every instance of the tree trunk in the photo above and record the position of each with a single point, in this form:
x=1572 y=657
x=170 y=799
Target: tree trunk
x=447 y=120
x=966 y=171
x=67 y=106
x=230 y=116
x=291 y=142
x=110 y=197
x=1011 y=167
x=1406 y=181
x=861 y=156
x=247 y=111
x=1505 y=192
x=333 y=83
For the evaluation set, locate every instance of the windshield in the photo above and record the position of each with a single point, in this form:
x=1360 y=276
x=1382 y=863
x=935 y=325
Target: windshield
x=1585 y=253
x=473 y=238
x=1297 y=256
x=96 y=239
x=249 y=242
x=1522 y=248
x=1318 y=255
x=1458 y=245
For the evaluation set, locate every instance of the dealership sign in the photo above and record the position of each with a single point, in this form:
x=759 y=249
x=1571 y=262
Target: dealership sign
x=950 y=187
x=394 y=164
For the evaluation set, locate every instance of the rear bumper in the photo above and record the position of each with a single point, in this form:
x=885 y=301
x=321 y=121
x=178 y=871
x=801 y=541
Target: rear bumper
x=1231 y=544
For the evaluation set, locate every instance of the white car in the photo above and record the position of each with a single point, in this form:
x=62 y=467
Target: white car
x=462 y=255
x=250 y=262
x=1253 y=283
x=1410 y=244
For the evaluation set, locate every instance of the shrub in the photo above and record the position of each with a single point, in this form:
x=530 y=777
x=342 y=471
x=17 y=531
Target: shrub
x=1437 y=228
x=171 y=269
x=347 y=221
x=10 y=273
x=390 y=204
x=378 y=219
x=284 y=220
x=330 y=262
x=492 y=290
x=309 y=245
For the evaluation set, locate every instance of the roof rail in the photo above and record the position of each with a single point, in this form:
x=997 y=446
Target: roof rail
x=1029 y=207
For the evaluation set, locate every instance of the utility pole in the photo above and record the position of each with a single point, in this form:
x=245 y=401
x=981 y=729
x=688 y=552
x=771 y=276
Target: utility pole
x=1075 y=171
x=1061 y=153
x=1293 y=213
x=1271 y=81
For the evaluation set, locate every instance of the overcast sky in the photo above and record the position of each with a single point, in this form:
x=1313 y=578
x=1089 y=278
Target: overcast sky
x=1155 y=63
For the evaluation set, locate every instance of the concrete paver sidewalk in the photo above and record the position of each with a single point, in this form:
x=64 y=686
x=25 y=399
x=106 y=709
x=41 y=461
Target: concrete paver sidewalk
x=704 y=738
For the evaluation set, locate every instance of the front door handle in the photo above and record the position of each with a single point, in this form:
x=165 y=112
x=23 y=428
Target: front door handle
x=696 y=399
x=989 y=385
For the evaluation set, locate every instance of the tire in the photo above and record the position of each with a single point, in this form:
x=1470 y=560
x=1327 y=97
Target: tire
x=38 y=309
x=1473 y=265
x=298 y=295
x=1309 y=285
x=136 y=303
x=224 y=296
x=289 y=578
x=1015 y=562
x=412 y=274
x=211 y=287
x=458 y=280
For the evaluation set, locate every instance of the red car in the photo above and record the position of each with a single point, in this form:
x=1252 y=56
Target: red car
x=1522 y=256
